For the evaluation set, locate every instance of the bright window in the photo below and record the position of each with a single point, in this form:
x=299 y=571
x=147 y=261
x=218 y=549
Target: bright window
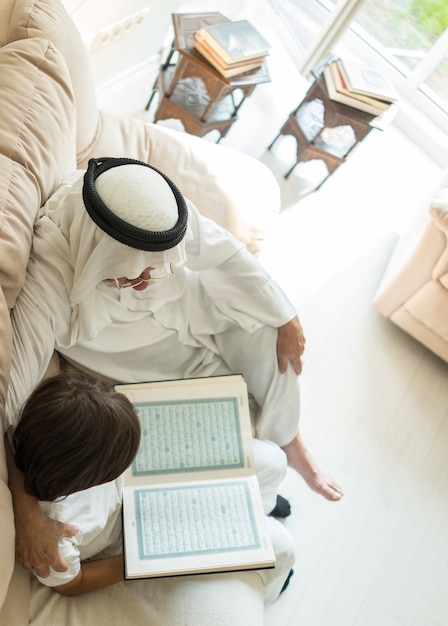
x=409 y=38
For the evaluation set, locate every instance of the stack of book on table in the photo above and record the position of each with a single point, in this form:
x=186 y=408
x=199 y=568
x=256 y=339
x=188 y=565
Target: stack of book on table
x=232 y=48
x=359 y=86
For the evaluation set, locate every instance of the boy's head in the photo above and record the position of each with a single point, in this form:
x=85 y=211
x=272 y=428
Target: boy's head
x=74 y=433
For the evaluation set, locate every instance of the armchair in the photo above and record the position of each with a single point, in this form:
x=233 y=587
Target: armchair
x=414 y=290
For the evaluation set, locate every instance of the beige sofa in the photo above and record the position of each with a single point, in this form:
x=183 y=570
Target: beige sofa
x=50 y=125
x=414 y=290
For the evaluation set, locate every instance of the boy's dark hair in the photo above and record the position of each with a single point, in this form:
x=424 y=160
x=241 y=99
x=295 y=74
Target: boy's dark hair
x=74 y=433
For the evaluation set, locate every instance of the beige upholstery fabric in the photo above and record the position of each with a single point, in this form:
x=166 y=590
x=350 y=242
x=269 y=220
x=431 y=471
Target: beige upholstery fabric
x=414 y=291
x=6 y=517
x=6 y=7
x=50 y=20
x=16 y=607
x=237 y=600
x=36 y=146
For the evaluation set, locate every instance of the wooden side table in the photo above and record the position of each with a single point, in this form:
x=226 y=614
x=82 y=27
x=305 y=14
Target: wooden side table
x=329 y=132
x=191 y=90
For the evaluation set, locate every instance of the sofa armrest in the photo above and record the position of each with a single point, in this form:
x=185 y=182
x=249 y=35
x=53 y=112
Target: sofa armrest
x=411 y=266
x=420 y=256
x=414 y=291
x=36 y=150
x=6 y=528
x=49 y=19
x=15 y=609
x=6 y=512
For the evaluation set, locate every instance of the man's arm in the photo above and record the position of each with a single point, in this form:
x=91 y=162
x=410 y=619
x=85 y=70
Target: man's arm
x=234 y=279
x=94 y=575
x=37 y=536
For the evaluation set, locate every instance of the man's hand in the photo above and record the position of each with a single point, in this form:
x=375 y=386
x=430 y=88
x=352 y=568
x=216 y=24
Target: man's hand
x=290 y=346
x=37 y=543
x=37 y=536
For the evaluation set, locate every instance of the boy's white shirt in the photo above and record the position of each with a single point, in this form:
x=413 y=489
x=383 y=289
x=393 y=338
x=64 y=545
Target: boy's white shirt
x=97 y=513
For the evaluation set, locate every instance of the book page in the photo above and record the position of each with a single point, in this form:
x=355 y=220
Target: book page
x=191 y=427
x=196 y=519
x=204 y=526
x=235 y=40
x=190 y=435
x=366 y=80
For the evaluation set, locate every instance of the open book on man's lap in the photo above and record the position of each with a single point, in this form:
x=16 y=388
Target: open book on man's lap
x=191 y=500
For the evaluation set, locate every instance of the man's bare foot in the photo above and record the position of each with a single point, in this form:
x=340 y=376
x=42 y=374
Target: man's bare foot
x=300 y=460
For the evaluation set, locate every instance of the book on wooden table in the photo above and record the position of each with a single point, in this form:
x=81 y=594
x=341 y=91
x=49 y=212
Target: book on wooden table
x=335 y=85
x=251 y=77
x=226 y=69
x=191 y=500
x=186 y=24
x=367 y=81
x=234 y=41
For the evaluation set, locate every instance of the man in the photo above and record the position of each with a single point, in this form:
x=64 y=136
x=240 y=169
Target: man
x=127 y=280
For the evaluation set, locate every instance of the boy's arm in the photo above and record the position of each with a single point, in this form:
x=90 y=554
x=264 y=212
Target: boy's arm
x=37 y=536
x=94 y=575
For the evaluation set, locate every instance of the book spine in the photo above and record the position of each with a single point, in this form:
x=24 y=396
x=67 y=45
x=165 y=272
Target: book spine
x=226 y=72
x=346 y=99
x=203 y=35
x=341 y=86
x=203 y=47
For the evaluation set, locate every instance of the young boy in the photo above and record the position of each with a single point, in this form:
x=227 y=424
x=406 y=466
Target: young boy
x=74 y=440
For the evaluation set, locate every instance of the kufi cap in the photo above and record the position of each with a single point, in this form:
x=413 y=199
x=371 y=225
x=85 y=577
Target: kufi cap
x=135 y=203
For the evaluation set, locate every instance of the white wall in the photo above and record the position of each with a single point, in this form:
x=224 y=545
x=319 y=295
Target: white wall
x=120 y=36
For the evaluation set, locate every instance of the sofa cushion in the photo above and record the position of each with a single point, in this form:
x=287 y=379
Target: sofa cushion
x=6 y=529
x=232 y=599
x=6 y=516
x=50 y=20
x=6 y=7
x=235 y=190
x=429 y=305
x=36 y=146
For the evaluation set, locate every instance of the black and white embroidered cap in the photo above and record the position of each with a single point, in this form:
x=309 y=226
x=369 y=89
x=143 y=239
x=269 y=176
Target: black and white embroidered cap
x=135 y=203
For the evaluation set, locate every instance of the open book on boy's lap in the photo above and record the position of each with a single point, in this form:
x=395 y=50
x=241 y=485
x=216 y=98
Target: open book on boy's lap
x=191 y=500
